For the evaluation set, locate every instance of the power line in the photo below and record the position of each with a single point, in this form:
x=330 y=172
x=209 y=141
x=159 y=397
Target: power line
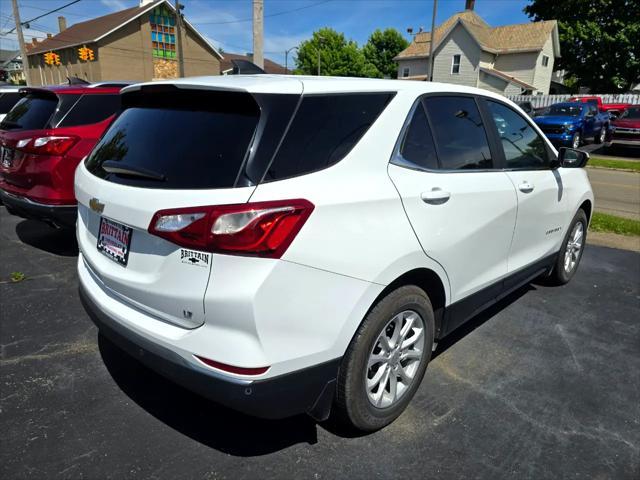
x=266 y=16
x=45 y=14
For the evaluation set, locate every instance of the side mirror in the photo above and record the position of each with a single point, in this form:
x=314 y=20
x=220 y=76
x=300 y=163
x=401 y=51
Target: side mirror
x=571 y=158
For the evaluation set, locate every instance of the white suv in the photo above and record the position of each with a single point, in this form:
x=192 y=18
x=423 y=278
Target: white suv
x=293 y=244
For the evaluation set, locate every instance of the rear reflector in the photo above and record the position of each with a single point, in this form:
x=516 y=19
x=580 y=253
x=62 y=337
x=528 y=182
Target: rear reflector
x=231 y=369
x=263 y=229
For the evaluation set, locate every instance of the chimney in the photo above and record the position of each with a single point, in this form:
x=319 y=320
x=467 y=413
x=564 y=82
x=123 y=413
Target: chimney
x=468 y=4
x=34 y=42
x=62 y=24
x=49 y=35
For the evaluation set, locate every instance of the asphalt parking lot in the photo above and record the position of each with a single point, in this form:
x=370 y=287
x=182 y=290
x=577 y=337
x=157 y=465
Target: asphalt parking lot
x=544 y=385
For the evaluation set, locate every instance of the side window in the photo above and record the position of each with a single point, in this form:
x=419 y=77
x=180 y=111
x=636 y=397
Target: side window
x=458 y=131
x=523 y=147
x=405 y=72
x=417 y=145
x=545 y=61
x=324 y=130
x=91 y=109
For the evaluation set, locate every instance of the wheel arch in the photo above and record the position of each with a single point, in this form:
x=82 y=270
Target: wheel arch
x=587 y=206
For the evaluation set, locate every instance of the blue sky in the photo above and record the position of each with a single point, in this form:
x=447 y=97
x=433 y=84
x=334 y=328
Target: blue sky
x=227 y=23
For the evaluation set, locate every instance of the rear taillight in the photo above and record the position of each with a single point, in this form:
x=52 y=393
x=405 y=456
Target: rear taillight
x=50 y=145
x=264 y=229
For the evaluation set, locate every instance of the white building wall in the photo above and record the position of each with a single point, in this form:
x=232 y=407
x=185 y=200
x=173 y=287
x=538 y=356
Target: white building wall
x=417 y=66
x=519 y=65
x=542 y=74
x=459 y=42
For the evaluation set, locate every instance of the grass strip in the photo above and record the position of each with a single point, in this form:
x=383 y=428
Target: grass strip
x=603 y=222
x=631 y=165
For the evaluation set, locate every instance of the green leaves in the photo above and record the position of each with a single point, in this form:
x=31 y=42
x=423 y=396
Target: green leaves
x=599 y=40
x=342 y=58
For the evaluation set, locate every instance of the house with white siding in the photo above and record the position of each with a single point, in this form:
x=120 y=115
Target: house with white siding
x=512 y=59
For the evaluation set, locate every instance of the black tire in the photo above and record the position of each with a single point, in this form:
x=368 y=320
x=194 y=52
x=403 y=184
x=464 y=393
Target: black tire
x=352 y=406
x=601 y=135
x=559 y=275
x=576 y=140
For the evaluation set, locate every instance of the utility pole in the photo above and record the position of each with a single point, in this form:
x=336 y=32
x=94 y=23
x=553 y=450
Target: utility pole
x=258 y=33
x=179 y=8
x=320 y=43
x=286 y=56
x=431 y=41
x=23 y=48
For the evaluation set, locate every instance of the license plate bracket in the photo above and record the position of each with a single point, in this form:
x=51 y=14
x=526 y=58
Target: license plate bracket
x=114 y=240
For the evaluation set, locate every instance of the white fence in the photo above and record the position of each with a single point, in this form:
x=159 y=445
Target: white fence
x=539 y=101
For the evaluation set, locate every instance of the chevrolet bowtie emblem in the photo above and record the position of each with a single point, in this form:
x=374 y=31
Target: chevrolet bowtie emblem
x=96 y=206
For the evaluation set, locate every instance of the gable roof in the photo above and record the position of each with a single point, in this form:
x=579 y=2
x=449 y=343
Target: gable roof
x=8 y=56
x=270 y=66
x=96 y=29
x=524 y=37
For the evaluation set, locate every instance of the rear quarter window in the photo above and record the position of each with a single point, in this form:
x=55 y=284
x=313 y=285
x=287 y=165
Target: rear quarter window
x=324 y=130
x=91 y=109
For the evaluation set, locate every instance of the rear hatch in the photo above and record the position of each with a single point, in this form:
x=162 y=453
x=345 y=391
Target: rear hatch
x=168 y=149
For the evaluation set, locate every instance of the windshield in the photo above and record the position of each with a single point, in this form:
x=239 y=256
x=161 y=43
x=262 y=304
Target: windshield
x=564 y=110
x=631 y=113
x=30 y=113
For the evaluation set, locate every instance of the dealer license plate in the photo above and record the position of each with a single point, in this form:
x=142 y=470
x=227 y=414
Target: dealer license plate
x=114 y=240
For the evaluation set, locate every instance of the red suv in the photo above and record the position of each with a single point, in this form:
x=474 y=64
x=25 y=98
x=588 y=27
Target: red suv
x=43 y=139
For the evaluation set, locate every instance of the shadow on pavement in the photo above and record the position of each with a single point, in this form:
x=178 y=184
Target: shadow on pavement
x=198 y=418
x=44 y=237
x=225 y=429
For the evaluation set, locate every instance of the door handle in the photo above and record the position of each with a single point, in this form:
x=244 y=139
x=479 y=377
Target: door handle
x=526 y=187
x=436 y=196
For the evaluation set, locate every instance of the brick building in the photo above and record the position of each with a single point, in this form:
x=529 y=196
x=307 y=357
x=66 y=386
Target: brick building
x=136 y=44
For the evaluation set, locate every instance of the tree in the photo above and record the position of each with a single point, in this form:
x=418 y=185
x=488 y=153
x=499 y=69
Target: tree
x=599 y=40
x=338 y=57
x=381 y=48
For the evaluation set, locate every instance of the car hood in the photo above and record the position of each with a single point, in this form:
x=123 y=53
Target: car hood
x=627 y=123
x=555 y=119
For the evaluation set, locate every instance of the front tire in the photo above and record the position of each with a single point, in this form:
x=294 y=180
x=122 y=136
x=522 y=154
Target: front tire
x=386 y=360
x=576 y=140
x=571 y=251
x=601 y=136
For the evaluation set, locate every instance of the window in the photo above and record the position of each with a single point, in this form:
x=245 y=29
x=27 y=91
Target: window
x=405 y=72
x=189 y=140
x=8 y=100
x=91 y=109
x=461 y=141
x=455 y=64
x=417 y=145
x=324 y=130
x=30 y=113
x=523 y=147
x=545 y=61
x=163 y=35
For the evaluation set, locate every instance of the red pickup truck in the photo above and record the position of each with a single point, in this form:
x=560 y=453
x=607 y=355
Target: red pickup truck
x=613 y=108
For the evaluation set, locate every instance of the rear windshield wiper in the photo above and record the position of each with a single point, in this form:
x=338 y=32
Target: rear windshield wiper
x=113 y=166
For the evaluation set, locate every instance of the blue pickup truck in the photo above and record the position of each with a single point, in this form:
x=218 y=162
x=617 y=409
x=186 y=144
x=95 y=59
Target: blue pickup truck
x=570 y=123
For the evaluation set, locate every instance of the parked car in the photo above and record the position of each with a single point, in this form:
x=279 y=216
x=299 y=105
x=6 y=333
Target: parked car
x=626 y=128
x=614 y=109
x=572 y=123
x=42 y=140
x=284 y=252
x=9 y=96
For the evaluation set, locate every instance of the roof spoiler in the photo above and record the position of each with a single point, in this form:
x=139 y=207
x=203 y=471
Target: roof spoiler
x=77 y=81
x=245 y=67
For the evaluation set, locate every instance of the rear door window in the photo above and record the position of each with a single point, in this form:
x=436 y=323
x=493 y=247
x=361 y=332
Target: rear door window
x=177 y=140
x=417 y=146
x=91 y=109
x=324 y=130
x=8 y=100
x=30 y=113
x=461 y=140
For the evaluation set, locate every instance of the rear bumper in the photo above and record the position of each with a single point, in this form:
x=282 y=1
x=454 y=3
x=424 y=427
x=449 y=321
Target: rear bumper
x=626 y=142
x=61 y=215
x=309 y=390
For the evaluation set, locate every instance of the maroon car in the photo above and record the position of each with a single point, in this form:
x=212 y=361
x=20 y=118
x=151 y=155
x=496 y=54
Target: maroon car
x=43 y=139
x=626 y=128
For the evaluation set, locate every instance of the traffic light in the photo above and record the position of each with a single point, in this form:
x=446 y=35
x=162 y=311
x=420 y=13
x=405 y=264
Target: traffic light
x=91 y=57
x=82 y=53
x=56 y=59
x=48 y=58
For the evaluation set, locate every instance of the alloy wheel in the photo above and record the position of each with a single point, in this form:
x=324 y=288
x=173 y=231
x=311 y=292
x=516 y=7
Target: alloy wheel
x=394 y=359
x=576 y=141
x=574 y=247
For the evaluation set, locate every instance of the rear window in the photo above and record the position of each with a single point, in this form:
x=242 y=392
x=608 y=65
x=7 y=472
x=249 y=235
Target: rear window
x=91 y=109
x=324 y=130
x=177 y=140
x=8 y=100
x=30 y=113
